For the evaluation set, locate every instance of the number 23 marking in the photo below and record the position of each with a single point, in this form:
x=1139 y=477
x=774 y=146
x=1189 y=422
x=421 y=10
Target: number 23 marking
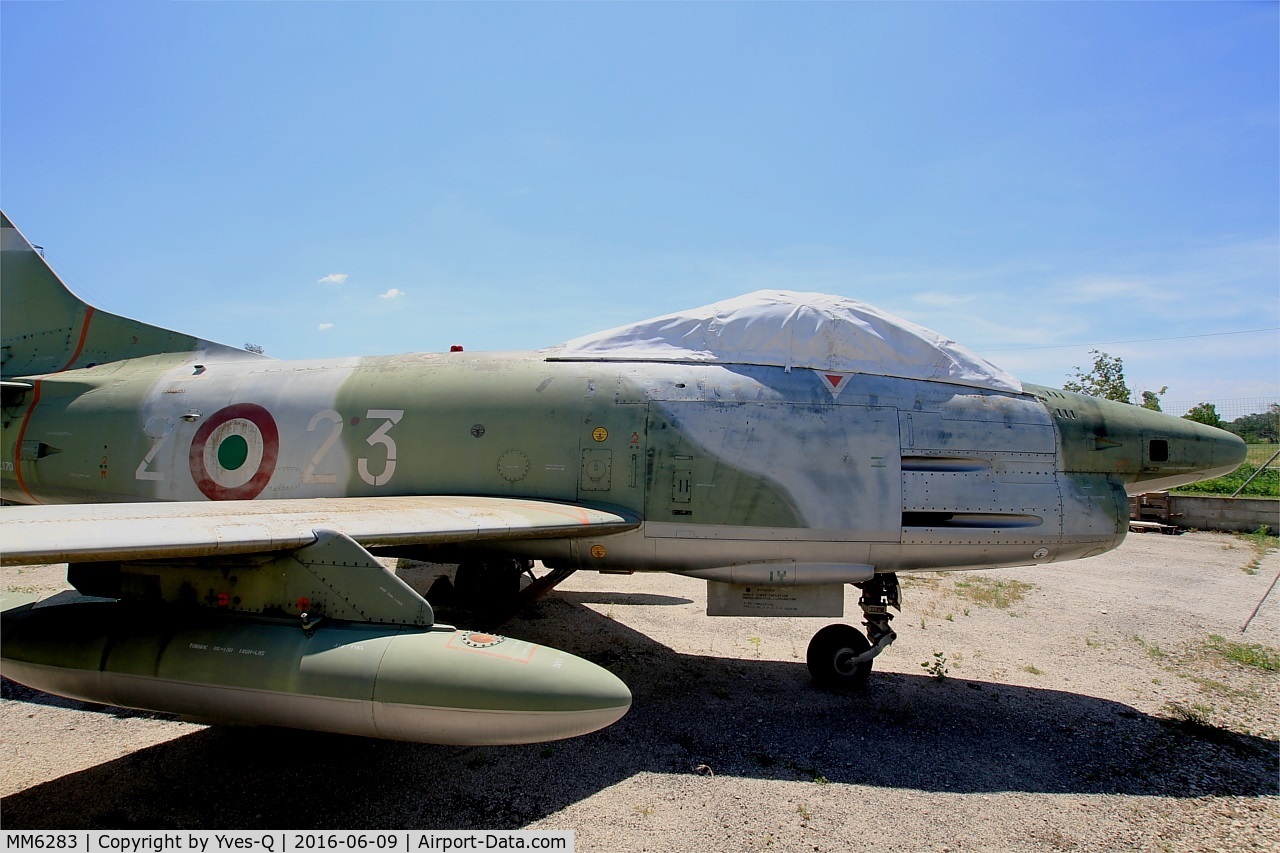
x=309 y=474
x=389 y=418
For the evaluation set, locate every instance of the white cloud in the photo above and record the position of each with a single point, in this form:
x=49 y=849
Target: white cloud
x=393 y=293
x=937 y=299
x=324 y=327
x=334 y=278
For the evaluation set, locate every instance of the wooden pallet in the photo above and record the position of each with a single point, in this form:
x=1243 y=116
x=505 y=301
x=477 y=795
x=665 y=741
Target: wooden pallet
x=1152 y=506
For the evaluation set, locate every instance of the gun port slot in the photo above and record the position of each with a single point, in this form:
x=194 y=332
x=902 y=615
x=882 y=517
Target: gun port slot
x=944 y=464
x=970 y=520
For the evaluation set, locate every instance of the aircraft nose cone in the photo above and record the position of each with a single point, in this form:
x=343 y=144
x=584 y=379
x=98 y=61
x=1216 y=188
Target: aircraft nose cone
x=1178 y=452
x=1229 y=453
x=1147 y=451
x=1209 y=451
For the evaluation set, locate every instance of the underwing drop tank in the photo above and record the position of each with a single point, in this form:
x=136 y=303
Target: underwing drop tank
x=429 y=685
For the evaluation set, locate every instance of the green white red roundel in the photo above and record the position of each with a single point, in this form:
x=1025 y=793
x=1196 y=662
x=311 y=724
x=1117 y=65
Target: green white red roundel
x=233 y=454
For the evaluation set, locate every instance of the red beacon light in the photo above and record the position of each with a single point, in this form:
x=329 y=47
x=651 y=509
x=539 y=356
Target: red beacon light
x=456 y=348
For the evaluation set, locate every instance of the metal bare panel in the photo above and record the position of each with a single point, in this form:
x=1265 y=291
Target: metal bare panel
x=977 y=491
x=940 y=431
x=834 y=468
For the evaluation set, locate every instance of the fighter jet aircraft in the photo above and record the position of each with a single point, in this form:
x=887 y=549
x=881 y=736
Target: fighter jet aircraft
x=779 y=445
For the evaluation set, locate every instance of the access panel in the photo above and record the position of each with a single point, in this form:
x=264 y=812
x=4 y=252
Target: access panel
x=775 y=466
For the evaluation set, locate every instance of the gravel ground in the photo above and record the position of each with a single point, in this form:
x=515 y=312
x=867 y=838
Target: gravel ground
x=1084 y=706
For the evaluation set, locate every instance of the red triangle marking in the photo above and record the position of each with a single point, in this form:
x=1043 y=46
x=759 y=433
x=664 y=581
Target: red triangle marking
x=834 y=379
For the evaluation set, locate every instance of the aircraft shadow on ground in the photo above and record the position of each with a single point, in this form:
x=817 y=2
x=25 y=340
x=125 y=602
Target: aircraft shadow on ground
x=738 y=717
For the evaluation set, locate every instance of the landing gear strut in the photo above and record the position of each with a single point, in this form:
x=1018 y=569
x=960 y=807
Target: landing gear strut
x=839 y=656
x=489 y=590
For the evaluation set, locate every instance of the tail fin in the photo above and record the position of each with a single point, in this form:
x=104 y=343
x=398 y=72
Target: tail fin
x=45 y=328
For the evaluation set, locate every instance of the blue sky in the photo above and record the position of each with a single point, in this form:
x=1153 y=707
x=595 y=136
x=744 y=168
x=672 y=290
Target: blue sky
x=1032 y=180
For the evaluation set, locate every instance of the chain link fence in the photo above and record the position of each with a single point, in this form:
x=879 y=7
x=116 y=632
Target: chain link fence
x=1263 y=415
x=1228 y=410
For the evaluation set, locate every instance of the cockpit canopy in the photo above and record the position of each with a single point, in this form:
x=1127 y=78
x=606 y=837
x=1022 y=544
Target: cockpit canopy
x=788 y=329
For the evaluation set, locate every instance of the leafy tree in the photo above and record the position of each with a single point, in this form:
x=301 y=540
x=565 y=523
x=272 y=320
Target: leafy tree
x=1151 y=399
x=1260 y=427
x=1105 y=379
x=1204 y=413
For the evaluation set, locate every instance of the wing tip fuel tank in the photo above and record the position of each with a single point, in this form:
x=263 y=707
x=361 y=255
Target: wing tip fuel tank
x=436 y=685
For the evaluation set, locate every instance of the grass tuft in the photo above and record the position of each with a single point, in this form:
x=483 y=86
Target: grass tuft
x=1153 y=650
x=1263 y=542
x=993 y=593
x=1248 y=654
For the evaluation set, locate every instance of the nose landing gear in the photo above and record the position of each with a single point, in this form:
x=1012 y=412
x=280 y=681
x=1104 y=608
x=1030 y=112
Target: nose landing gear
x=489 y=591
x=839 y=656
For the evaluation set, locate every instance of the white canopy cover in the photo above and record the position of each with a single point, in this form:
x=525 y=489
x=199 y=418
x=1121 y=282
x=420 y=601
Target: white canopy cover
x=787 y=329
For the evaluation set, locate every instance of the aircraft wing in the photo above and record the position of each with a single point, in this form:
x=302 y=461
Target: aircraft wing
x=136 y=531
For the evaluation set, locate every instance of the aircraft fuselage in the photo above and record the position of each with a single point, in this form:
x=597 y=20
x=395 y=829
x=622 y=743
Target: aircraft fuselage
x=738 y=471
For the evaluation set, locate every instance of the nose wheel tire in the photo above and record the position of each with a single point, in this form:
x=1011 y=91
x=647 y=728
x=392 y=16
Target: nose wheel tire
x=831 y=654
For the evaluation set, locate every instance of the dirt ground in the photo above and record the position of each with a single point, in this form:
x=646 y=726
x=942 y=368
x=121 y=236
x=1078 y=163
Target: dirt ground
x=1105 y=704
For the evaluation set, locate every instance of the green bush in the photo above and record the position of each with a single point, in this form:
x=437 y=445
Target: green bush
x=1265 y=485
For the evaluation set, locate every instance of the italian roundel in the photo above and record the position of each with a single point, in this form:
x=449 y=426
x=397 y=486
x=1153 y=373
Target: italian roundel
x=233 y=454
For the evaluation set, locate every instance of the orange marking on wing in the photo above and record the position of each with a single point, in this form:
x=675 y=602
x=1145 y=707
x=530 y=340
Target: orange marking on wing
x=572 y=513
x=17 y=445
x=84 y=334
